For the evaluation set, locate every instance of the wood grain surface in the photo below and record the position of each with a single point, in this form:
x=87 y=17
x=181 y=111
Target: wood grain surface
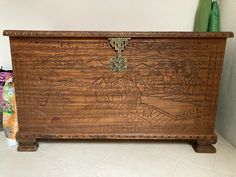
x=66 y=89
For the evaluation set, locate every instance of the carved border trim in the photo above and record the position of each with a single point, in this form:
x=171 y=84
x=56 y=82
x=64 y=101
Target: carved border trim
x=27 y=135
x=28 y=33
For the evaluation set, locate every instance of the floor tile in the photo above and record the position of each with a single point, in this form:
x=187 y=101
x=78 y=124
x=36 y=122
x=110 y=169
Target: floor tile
x=137 y=163
x=187 y=169
x=225 y=161
x=117 y=158
x=26 y=164
x=84 y=155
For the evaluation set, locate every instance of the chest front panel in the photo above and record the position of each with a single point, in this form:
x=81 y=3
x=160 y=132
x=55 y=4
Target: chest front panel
x=68 y=86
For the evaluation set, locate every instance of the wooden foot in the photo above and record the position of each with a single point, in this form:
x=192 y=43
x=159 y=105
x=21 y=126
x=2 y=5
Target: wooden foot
x=204 y=146
x=27 y=145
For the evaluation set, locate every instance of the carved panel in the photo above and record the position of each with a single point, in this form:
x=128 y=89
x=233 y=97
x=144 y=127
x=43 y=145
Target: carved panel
x=66 y=86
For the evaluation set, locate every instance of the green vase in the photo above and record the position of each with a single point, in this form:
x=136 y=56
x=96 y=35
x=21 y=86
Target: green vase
x=202 y=16
x=214 y=21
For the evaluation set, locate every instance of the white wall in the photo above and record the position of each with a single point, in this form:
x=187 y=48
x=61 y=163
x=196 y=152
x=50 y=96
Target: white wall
x=226 y=116
x=133 y=15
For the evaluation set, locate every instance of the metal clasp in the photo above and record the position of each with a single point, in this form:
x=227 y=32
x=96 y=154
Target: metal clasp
x=118 y=63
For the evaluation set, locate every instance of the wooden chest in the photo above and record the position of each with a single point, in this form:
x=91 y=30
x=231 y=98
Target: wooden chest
x=117 y=85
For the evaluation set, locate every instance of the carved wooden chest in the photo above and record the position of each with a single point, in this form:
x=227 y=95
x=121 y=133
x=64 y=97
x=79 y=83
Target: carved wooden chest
x=117 y=85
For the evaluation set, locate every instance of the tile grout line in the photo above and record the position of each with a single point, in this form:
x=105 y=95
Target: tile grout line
x=176 y=159
x=102 y=161
x=213 y=166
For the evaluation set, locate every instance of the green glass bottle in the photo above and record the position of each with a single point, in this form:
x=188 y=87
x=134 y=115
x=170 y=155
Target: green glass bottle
x=214 y=21
x=202 y=16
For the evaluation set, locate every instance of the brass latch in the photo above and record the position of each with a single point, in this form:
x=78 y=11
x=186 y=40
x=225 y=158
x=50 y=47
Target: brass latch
x=118 y=63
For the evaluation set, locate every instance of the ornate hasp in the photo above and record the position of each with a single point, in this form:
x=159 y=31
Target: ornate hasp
x=118 y=63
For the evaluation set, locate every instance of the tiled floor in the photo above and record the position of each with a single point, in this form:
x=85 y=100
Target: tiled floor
x=113 y=159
